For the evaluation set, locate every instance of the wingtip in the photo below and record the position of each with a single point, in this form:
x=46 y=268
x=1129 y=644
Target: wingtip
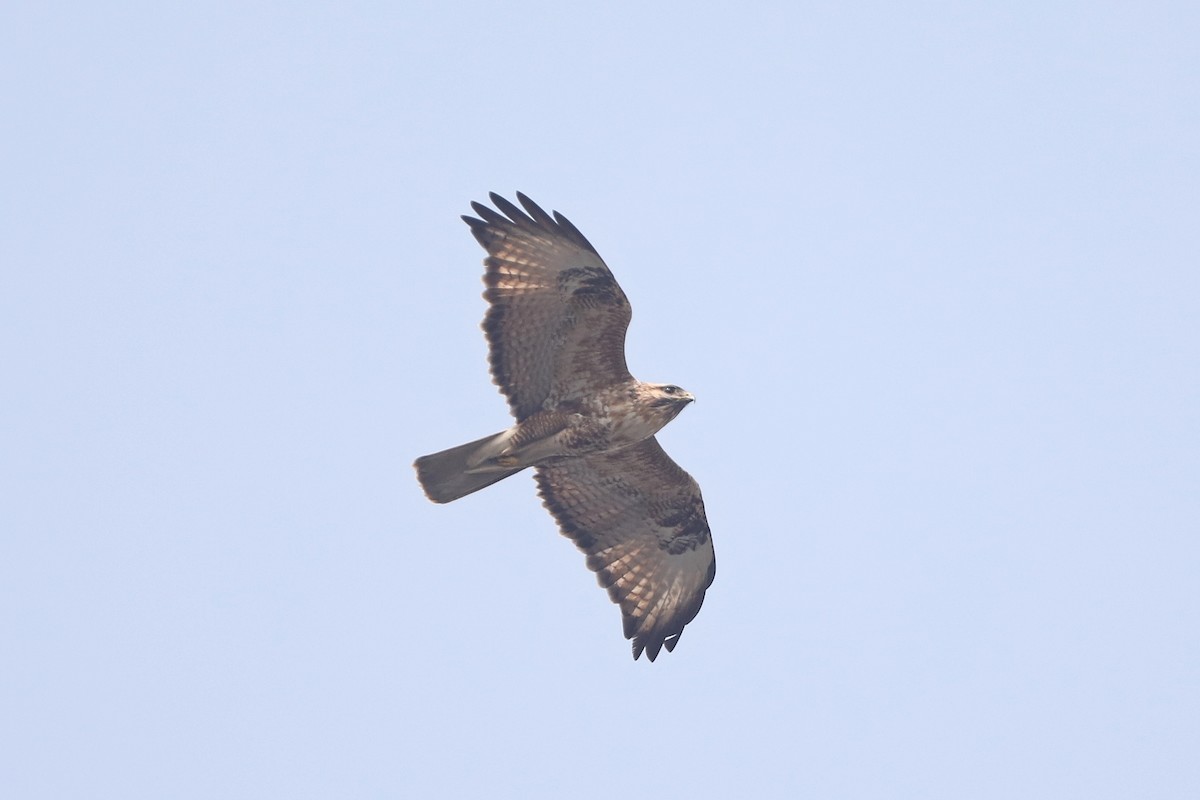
x=650 y=648
x=531 y=218
x=537 y=212
x=510 y=210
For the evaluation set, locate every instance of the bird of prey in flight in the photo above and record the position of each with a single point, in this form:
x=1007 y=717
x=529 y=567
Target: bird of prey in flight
x=556 y=326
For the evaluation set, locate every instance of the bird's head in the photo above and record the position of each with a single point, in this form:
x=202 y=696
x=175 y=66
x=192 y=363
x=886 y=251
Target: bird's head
x=668 y=397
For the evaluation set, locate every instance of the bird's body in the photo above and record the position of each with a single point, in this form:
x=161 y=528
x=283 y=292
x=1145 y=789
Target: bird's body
x=556 y=326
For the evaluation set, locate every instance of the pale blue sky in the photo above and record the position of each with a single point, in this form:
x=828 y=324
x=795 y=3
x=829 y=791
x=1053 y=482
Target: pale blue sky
x=932 y=270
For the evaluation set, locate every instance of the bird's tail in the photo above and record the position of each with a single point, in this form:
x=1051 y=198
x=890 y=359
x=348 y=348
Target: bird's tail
x=457 y=472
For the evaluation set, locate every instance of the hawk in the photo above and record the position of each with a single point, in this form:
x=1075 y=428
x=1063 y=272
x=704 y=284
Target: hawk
x=556 y=327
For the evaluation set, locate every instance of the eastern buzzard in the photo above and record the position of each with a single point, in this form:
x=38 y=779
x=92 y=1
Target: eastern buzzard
x=556 y=329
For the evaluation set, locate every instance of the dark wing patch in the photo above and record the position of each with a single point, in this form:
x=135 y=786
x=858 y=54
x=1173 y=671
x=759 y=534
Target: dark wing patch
x=557 y=321
x=640 y=519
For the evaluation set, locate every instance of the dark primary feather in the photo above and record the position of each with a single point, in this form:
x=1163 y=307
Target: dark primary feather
x=557 y=318
x=640 y=519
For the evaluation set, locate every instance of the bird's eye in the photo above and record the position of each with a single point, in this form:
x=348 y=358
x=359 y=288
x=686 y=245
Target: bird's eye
x=671 y=390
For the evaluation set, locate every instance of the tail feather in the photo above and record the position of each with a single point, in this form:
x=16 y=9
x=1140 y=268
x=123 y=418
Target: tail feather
x=444 y=476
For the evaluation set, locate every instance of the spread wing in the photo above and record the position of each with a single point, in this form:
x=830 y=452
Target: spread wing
x=557 y=321
x=640 y=519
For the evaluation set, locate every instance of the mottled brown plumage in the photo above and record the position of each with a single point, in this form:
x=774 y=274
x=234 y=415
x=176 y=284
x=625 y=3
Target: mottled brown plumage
x=556 y=327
